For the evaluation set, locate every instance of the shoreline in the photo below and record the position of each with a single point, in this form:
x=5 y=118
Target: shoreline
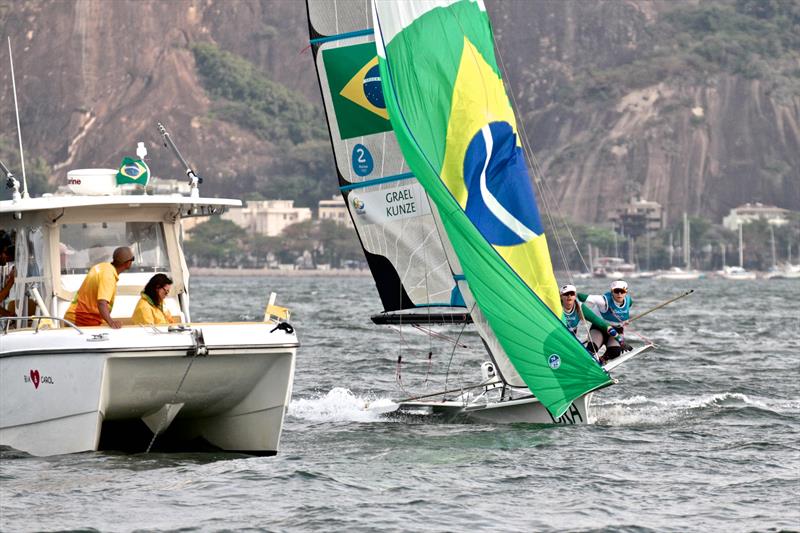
x=267 y=272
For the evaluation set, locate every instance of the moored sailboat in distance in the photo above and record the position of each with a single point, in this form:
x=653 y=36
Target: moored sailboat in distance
x=737 y=273
x=417 y=110
x=784 y=270
x=686 y=273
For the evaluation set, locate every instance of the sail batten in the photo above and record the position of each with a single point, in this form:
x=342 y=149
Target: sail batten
x=456 y=128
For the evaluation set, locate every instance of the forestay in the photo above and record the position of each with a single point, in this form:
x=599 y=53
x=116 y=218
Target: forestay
x=456 y=128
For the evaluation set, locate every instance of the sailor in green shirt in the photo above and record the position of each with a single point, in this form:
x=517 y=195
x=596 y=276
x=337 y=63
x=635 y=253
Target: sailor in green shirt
x=573 y=313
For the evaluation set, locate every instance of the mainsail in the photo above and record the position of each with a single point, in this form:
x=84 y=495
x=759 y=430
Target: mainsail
x=455 y=126
x=390 y=210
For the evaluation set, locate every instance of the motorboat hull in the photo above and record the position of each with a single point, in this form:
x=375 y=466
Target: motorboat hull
x=114 y=389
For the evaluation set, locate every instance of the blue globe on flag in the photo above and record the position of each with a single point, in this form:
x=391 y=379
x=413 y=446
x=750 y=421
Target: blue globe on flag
x=372 y=87
x=133 y=171
x=500 y=199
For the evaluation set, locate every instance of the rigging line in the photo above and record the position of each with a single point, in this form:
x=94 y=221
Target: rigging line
x=439 y=335
x=546 y=185
x=428 y=301
x=398 y=376
x=638 y=334
x=455 y=345
x=537 y=174
x=566 y=224
x=539 y=177
x=554 y=225
x=444 y=392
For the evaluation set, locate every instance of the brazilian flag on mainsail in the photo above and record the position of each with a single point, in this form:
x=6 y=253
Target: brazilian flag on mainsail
x=457 y=130
x=356 y=93
x=133 y=171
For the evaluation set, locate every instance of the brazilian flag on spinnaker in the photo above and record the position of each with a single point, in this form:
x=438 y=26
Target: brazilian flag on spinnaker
x=457 y=130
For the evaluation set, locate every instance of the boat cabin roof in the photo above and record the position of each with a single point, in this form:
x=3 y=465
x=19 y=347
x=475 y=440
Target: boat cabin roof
x=194 y=206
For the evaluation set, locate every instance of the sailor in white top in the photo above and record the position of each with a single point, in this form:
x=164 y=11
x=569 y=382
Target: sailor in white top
x=614 y=306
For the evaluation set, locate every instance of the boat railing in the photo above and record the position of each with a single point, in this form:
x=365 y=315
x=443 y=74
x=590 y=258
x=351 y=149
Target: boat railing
x=5 y=322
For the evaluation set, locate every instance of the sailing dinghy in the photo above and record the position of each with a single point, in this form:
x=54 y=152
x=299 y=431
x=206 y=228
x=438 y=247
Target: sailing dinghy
x=435 y=179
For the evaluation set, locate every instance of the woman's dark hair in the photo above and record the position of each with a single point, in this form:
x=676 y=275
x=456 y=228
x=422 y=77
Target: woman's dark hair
x=155 y=283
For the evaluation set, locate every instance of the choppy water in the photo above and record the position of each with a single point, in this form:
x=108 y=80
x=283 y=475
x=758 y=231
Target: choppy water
x=701 y=435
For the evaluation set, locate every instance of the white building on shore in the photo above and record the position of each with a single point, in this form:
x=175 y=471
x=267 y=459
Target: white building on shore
x=267 y=217
x=335 y=209
x=750 y=212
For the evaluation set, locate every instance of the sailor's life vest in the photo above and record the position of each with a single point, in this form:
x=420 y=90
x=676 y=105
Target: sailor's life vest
x=573 y=319
x=616 y=314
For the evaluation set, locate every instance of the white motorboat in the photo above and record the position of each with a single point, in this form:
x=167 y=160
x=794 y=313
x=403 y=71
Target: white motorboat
x=181 y=387
x=736 y=273
x=679 y=274
x=613 y=268
x=786 y=271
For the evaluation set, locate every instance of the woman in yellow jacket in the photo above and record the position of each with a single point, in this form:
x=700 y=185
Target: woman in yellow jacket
x=150 y=309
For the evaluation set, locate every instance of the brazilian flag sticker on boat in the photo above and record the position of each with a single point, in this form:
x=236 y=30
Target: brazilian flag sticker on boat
x=133 y=171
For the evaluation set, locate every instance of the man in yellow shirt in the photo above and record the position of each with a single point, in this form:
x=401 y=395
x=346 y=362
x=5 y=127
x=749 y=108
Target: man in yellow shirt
x=92 y=304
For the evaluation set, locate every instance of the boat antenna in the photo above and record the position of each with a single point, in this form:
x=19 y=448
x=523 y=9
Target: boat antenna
x=194 y=179
x=12 y=182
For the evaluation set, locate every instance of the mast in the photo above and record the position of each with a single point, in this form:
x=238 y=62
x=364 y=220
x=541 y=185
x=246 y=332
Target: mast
x=723 y=247
x=772 y=243
x=687 y=242
x=741 y=251
x=671 y=248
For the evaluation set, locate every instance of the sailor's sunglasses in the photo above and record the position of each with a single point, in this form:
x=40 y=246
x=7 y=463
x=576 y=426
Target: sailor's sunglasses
x=619 y=291
x=570 y=293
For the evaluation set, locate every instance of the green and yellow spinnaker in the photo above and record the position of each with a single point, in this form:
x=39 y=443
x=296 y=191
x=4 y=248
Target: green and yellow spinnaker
x=445 y=98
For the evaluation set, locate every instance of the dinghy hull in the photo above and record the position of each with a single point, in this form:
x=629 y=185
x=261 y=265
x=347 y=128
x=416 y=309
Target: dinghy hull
x=524 y=410
x=521 y=410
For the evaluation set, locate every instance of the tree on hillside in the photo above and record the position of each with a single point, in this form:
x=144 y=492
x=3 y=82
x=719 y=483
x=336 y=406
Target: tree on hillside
x=217 y=242
x=330 y=243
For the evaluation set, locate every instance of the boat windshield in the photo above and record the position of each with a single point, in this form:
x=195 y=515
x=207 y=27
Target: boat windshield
x=84 y=245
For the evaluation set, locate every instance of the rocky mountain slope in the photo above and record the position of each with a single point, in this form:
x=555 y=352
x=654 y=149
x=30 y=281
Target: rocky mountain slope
x=694 y=105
